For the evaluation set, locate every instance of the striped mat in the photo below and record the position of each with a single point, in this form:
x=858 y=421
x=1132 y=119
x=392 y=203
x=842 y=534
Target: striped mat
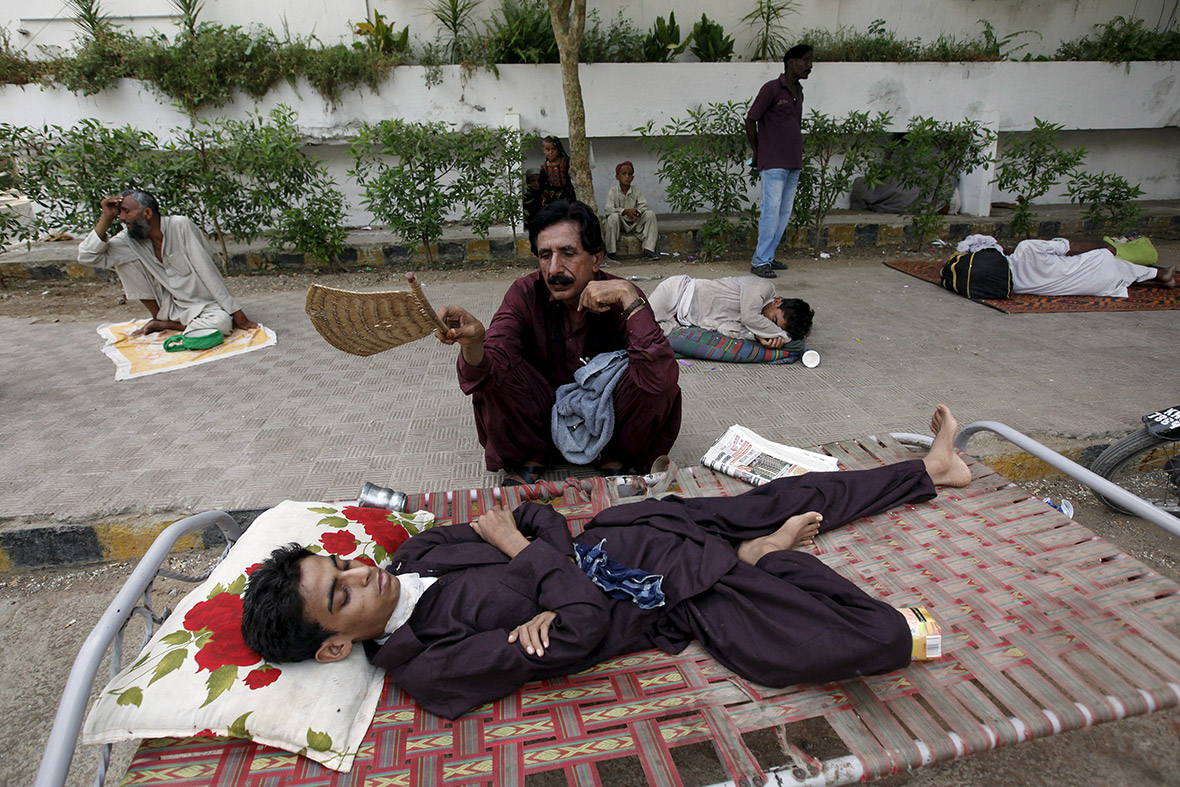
x=1046 y=628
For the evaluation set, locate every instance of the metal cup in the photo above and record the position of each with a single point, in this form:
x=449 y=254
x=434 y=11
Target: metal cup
x=373 y=496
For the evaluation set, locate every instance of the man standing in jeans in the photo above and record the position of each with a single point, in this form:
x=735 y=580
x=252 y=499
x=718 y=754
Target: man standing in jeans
x=775 y=121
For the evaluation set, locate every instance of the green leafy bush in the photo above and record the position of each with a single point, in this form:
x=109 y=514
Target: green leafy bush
x=520 y=33
x=620 y=42
x=703 y=162
x=1030 y=164
x=881 y=45
x=380 y=37
x=204 y=68
x=766 y=20
x=409 y=175
x=663 y=41
x=15 y=66
x=834 y=151
x=232 y=177
x=491 y=166
x=930 y=156
x=1107 y=198
x=1122 y=40
x=710 y=43
x=455 y=18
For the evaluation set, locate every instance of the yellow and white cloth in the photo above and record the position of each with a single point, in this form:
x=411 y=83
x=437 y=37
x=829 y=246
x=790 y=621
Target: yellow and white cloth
x=136 y=356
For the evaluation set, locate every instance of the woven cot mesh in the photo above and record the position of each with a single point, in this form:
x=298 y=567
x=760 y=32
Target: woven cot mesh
x=1046 y=628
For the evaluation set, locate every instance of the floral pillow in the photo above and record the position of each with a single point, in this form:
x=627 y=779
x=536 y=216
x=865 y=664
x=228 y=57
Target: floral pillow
x=197 y=677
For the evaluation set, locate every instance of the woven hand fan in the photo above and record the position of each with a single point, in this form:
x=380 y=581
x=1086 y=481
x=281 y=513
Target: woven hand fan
x=366 y=323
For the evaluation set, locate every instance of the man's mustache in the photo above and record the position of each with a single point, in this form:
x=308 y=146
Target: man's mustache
x=560 y=280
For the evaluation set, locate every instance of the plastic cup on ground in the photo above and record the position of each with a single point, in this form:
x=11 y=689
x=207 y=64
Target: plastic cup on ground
x=811 y=359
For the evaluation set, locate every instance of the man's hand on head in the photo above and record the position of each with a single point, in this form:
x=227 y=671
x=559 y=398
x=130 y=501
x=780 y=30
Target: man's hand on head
x=497 y=526
x=533 y=634
x=110 y=207
x=773 y=343
x=110 y=211
x=601 y=295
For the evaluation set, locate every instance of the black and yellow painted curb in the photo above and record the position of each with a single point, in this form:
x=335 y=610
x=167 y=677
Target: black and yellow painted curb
x=58 y=545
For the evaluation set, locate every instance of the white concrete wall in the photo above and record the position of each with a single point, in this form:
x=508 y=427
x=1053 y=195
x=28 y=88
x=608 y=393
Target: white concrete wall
x=1135 y=134
x=47 y=21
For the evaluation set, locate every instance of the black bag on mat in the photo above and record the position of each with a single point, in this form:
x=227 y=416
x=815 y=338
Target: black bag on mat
x=978 y=275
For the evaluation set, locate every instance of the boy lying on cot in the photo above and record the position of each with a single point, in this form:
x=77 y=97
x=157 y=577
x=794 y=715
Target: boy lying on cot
x=467 y=614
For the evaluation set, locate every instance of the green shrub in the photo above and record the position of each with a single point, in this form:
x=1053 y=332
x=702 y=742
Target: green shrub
x=703 y=162
x=1122 y=40
x=409 y=175
x=710 y=43
x=663 y=41
x=381 y=37
x=834 y=151
x=455 y=18
x=204 y=69
x=766 y=20
x=1107 y=198
x=1030 y=164
x=621 y=42
x=521 y=33
x=880 y=45
x=930 y=156
x=16 y=68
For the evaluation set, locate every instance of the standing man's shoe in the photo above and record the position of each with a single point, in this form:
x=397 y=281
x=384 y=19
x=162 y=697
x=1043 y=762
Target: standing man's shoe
x=775 y=265
x=763 y=271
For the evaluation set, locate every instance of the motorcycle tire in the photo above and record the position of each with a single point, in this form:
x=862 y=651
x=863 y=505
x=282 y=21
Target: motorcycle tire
x=1145 y=465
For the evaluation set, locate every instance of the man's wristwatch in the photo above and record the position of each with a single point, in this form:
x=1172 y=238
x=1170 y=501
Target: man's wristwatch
x=639 y=303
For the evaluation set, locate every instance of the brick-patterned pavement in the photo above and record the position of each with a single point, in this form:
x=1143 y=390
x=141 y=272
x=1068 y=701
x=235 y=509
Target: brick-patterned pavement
x=303 y=420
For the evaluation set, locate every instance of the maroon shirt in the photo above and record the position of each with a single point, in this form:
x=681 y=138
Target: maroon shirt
x=530 y=326
x=779 y=114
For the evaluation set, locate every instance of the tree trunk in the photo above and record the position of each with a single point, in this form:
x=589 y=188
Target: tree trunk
x=568 y=29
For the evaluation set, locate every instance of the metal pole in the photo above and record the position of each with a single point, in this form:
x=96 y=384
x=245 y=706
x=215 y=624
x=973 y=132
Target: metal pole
x=1132 y=503
x=59 y=749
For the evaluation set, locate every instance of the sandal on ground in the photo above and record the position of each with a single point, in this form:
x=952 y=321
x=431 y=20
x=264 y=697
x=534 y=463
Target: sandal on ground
x=523 y=475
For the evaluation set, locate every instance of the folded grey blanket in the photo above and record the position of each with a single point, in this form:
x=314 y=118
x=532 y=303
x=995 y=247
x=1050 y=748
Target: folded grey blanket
x=584 y=414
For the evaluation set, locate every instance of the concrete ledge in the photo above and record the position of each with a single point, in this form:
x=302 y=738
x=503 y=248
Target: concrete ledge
x=679 y=235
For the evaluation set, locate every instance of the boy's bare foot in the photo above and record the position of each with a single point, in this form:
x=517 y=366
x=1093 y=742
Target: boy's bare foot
x=945 y=467
x=798 y=531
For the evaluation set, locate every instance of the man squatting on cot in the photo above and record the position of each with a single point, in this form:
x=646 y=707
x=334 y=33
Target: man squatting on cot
x=550 y=324
x=469 y=613
x=166 y=263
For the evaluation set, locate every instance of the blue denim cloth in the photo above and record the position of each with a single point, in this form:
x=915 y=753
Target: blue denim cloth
x=778 y=199
x=619 y=581
x=583 y=420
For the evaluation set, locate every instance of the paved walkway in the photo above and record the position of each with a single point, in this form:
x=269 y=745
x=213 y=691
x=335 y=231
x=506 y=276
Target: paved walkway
x=303 y=420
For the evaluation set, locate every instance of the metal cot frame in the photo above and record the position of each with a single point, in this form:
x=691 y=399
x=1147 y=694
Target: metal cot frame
x=135 y=599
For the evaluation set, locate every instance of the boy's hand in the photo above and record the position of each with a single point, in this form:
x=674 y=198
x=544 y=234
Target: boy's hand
x=497 y=526
x=534 y=634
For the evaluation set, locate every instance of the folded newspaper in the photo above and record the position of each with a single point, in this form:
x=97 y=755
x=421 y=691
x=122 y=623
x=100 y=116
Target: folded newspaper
x=756 y=460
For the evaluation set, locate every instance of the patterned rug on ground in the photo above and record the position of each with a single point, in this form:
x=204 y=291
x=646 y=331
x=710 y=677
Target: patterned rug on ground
x=1046 y=628
x=1138 y=298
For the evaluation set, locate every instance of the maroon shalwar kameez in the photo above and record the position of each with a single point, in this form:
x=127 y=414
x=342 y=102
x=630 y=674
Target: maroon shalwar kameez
x=787 y=620
x=530 y=350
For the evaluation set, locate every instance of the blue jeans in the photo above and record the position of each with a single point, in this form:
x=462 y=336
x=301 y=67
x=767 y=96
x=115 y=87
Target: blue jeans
x=778 y=197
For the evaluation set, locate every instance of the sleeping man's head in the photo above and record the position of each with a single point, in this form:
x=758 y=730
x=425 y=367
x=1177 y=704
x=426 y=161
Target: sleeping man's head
x=791 y=314
x=299 y=605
